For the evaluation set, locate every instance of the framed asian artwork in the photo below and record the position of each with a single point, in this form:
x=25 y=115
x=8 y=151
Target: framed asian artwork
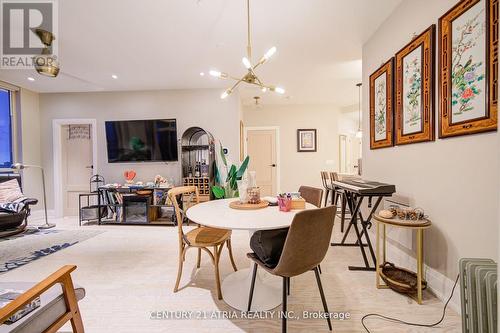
x=306 y=140
x=468 y=68
x=414 y=114
x=381 y=106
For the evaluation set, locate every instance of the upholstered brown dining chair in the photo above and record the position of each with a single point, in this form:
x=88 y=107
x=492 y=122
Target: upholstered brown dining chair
x=305 y=247
x=201 y=238
x=311 y=195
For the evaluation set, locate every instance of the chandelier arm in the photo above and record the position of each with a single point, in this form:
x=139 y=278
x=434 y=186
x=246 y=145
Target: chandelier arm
x=249 y=42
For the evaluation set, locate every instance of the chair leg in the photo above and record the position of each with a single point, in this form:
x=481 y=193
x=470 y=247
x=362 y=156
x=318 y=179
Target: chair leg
x=216 y=264
x=198 y=260
x=288 y=286
x=230 y=249
x=182 y=250
x=252 y=285
x=319 y=269
x=284 y=311
x=326 y=197
x=342 y=216
x=323 y=299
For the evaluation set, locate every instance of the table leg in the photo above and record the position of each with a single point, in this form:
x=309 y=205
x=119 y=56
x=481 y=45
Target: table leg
x=267 y=291
x=377 y=256
x=420 y=265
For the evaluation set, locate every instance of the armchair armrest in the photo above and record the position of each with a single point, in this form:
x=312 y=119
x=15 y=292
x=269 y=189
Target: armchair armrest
x=31 y=201
x=63 y=277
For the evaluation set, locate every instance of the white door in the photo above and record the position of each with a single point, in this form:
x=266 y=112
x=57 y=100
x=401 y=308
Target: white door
x=76 y=155
x=261 y=147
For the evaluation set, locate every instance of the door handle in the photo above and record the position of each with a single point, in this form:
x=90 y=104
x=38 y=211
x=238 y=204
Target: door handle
x=89 y=167
x=272 y=165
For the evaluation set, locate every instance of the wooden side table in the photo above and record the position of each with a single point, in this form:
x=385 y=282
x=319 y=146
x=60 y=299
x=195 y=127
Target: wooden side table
x=419 y=226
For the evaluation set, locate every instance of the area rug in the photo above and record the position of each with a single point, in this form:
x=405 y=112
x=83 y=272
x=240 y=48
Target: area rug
x=21 y=249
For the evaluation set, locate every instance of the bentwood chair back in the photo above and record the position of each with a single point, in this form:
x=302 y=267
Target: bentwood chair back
x=311 y=195
x=202 y=238
x=305 y=247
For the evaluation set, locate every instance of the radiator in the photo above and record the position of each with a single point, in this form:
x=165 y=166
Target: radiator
x=478 y=291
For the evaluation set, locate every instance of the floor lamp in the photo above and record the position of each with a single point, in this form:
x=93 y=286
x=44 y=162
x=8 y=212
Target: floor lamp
x=20 y=166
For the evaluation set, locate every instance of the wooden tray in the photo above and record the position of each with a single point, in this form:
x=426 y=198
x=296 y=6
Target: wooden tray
x=238 y=205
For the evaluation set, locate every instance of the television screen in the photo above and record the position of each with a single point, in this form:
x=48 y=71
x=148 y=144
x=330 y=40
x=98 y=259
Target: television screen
x=141 y=140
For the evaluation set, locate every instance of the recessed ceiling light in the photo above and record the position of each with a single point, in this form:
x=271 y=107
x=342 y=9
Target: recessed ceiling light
x=114 y=76
x=202 y=74
x=31 y=79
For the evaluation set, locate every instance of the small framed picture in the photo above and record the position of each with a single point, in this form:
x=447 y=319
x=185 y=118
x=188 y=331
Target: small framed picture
x=381 y=106
x=306 y=140
x=415 y=90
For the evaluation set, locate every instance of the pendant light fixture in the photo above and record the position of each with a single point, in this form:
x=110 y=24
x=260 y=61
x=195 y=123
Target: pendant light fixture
x=46 y=63
x=250 y=77
x=359 y=133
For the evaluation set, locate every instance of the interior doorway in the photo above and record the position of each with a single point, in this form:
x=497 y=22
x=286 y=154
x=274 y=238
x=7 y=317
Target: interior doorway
x=262 y=146
x=349 y=154
x=75 y=161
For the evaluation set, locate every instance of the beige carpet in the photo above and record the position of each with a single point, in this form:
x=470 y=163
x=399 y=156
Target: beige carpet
x=129 y=271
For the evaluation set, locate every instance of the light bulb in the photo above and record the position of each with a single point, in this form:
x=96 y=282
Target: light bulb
x=264 y=89
x=225 y=93
x=279 y=90
x=270 y=53
x=246 y=63
x=218 y=74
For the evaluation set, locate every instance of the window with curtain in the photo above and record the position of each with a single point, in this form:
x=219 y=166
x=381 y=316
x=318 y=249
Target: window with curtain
x=5 y=129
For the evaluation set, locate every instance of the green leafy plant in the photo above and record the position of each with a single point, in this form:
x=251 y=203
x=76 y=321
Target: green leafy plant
x=227 y=187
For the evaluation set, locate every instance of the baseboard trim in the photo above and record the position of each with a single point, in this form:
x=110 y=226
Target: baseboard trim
x=437 y=283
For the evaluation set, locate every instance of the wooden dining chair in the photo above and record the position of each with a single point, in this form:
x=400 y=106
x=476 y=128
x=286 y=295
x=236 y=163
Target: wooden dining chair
x=306 y=244
x=201 y=238
x=325 y=179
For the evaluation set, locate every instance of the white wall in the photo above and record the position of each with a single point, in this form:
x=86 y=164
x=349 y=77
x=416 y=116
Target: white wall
x=201 y=108
x=455 y=180
x=300 y=168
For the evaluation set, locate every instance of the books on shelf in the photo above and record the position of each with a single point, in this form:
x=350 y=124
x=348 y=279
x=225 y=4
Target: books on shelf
x=8 y=295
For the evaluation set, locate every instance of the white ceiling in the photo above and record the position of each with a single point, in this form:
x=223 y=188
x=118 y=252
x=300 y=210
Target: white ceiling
x=165 y=44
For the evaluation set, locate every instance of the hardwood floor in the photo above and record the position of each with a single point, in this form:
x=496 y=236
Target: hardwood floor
x=129 y=271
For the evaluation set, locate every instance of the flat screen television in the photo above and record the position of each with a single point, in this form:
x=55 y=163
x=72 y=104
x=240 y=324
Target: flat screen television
x=142 y=140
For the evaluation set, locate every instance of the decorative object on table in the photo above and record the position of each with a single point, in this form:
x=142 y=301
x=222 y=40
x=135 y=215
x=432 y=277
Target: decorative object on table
x=468 y=70
x=242 y=190
x=359 y=133
x=306 y=140
x=415 y=90
x=250 y=77
x=387 y=214
x=129 y=176
x=298 y=203
x=159 y=181
x=248 y=206
x=400 y=279
x=382 y=106
x=198 y=160
x=227 y=175
x=20 y=166
x=284 y=203
x=253 y=195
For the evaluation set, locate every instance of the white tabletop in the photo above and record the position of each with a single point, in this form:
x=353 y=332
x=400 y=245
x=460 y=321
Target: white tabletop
x=218 y=214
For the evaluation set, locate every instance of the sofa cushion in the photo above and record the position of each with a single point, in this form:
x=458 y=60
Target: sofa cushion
x=10 y=191
x=52 y=307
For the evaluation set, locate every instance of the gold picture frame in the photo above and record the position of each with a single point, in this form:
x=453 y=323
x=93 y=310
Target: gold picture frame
x=382 y=106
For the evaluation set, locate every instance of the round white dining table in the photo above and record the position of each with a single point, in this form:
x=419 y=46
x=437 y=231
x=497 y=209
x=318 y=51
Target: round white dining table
x=236 y=286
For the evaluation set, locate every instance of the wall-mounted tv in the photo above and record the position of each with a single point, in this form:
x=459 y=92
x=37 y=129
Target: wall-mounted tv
x=142 y=140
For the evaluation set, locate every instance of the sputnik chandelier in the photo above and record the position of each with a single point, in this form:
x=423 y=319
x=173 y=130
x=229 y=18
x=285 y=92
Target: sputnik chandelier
x=250 y=77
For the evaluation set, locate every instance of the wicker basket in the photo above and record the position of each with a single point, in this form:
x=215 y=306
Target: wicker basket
x=400 y=279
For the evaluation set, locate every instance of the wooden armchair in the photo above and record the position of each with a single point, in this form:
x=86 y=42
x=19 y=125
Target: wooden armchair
x=201 y=238
x=70 y=312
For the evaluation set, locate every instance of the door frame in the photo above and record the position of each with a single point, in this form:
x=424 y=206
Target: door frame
x=57 y=125
x=277 y=144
